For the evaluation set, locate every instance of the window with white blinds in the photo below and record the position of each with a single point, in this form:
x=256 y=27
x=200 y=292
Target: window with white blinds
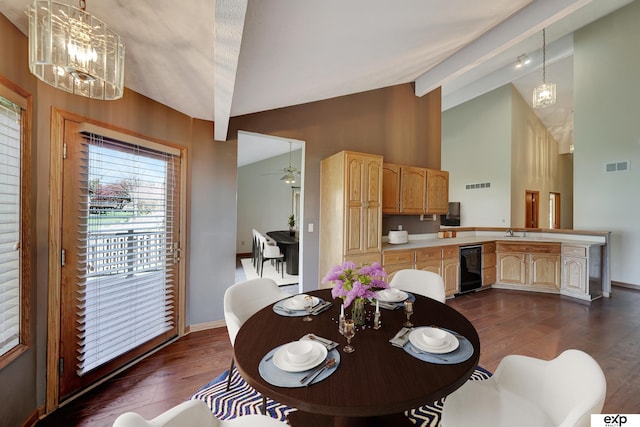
x=127 y=250
x=10 y=221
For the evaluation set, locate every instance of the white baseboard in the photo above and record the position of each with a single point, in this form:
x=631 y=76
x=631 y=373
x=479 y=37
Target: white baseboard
x=626 y=285
x=206 y=325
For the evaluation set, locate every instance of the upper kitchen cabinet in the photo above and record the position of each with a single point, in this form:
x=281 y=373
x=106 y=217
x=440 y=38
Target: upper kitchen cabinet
x=414 y=190
x=403 y=189
x=390 y=188
x=350 y=209
x=437 y=192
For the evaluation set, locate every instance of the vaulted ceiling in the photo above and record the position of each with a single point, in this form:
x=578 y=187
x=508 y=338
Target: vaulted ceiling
x=215 y=59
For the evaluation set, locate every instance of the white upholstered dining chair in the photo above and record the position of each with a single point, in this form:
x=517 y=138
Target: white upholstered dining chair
x=194 y=413
x=268 y=251
x=242 y=300
x=530 y=392
x=425 y=283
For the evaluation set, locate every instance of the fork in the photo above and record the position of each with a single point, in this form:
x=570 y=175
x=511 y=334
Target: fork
x=328 y=344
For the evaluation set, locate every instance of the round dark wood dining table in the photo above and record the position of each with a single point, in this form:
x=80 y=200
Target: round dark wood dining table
x=372 y=386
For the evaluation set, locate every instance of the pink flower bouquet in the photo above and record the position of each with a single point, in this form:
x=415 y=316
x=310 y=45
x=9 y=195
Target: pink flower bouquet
x=351 y=282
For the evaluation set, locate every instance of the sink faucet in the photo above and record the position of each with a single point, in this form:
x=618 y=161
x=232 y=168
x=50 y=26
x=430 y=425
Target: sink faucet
x=510 y=232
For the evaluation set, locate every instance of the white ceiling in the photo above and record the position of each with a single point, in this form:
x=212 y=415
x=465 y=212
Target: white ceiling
x=215 y=59
x=254 y=147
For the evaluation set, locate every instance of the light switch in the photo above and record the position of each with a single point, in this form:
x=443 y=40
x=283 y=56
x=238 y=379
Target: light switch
x=310 y=228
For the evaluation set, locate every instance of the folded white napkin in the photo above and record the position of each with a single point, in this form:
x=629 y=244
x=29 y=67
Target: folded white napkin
x=329 y=344
x=401 y=338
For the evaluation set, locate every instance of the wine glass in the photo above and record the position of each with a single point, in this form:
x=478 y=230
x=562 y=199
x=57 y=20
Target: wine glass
x=408 y=310
x=349 y=332
x=308 y=305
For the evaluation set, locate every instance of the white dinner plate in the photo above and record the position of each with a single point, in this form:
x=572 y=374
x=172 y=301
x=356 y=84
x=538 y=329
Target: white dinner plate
x=293 y=304
x=386 y=296
x=450 y=342
x=281 y=360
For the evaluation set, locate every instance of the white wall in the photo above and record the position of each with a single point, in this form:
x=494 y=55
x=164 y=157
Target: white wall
x=476 y=148
x=537 y=165
x=607 y=129
x=496 y=138
x=264 y=201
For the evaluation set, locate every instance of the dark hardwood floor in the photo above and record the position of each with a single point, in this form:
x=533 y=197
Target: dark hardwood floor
x=508 y=322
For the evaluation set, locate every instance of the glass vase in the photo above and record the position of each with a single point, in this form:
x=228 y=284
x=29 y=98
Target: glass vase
x=357 y=312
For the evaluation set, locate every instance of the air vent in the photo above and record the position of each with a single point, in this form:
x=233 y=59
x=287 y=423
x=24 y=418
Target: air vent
x=617 y=167
x=477 y=186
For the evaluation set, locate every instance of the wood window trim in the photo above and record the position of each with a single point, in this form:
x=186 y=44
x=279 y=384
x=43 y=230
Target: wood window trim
x=21 y=97
x=58 y=117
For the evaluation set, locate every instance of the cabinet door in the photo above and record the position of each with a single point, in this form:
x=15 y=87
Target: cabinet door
x=434 y=266
x=544 y=271
x=488 y=276
x=412 y=189
x=437 y=200
x=390 y=188
x=575 y=275
x=451 y=275
x=391 y=270
x=355 y=211
x=511 y=268
x=372 y=223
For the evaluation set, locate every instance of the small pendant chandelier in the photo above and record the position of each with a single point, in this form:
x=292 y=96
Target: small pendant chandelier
x=545 y=94
x=289 y=176
x=72 y=50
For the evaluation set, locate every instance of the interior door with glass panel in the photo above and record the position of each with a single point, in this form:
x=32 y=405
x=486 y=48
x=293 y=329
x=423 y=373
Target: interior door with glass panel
x=120 y=238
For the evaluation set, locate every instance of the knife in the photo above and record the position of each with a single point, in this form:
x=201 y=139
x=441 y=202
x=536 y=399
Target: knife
x=388 y=306
x=313 y=371
x=322 y=307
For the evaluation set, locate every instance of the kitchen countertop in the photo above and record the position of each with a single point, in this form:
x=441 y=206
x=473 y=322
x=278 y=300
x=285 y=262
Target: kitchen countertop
x=426 y=241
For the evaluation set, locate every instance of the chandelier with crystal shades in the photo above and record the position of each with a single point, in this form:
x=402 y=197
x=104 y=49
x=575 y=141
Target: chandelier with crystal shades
x=74 y=51
x=545 y=94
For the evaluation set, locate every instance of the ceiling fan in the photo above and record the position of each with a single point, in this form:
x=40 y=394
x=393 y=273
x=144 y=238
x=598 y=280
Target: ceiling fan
x=290 y=172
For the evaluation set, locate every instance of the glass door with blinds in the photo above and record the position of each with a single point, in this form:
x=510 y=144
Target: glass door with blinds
x=120 y=238
x=10 y=225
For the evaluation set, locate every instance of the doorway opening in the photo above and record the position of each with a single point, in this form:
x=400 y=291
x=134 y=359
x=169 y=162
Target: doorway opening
x=270 y=190
x=531 y=208
x=554 y=210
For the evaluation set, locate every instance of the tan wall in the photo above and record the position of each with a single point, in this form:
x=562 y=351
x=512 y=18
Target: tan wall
x=391 y=122
x=18 y=391
x=23 y=381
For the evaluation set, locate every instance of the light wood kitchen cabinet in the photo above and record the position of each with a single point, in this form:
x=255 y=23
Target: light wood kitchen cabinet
x=511 y=268
x=529 y=265
x=437 y=192
x=393 y=261
x=390 y=188
x=403 y=189
x=582 y=271
x=429 y=259
x=488 y=264
x=544 y=271
x=350 y=209
x=451 y=269
x=414 y=190
x=575 y=269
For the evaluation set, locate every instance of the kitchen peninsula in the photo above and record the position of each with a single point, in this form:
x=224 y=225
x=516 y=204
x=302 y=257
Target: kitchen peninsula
x=568 y=262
